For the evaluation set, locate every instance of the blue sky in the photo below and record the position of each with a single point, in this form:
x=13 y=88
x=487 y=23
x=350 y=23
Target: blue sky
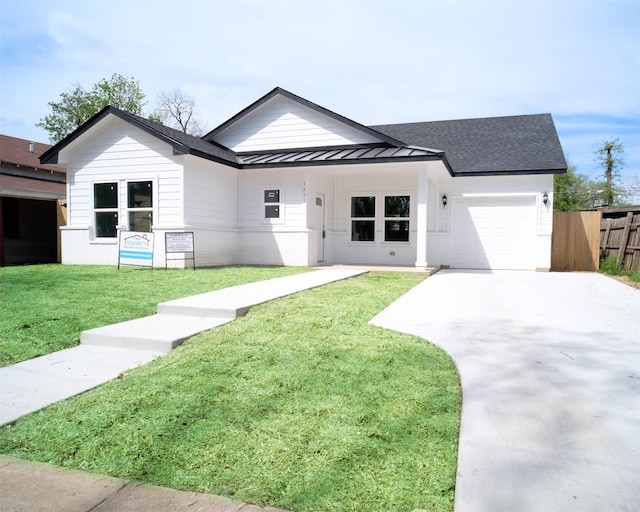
x=375 y=62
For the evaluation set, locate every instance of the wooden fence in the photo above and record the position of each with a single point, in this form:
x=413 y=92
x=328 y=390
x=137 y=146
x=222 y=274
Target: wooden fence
x=620 y=238
x=575 y=243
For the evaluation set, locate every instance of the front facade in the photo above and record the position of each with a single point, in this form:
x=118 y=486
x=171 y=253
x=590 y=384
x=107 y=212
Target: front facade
x=287 y=182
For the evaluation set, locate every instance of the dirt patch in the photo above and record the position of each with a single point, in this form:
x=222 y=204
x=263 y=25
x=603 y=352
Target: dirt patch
x=625 y=280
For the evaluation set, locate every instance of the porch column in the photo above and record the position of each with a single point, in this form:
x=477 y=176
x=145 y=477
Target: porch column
x=421 y=220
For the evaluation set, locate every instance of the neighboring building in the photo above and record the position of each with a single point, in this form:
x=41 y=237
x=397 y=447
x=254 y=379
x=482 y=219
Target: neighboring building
x=287 y=182
x=32 y=196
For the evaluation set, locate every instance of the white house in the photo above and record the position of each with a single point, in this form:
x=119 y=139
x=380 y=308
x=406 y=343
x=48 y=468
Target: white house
x=288 y=182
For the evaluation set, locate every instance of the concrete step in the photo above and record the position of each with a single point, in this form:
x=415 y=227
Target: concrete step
x=157 y=333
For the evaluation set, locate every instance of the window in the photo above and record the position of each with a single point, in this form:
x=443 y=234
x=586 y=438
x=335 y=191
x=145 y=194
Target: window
x=363 y=223
x=396 y=218
x=272 y=204
x=140 y=205
x=105 y=207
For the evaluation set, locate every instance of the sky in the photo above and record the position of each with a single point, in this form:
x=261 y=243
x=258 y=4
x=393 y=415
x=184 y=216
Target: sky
x=375 y=62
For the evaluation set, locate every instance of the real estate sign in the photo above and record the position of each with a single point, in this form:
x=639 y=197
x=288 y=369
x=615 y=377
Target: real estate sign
x=182 y=243
x=135 y=248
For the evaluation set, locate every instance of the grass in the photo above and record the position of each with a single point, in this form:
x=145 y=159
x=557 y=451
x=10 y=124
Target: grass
x=300 y=404
x=44 y=308
x=610 y=266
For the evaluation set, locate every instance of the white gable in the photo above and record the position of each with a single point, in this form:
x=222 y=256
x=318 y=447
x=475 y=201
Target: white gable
x=283 y=124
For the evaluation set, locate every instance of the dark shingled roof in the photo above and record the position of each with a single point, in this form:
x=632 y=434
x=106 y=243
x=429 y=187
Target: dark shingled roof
x=492 y=145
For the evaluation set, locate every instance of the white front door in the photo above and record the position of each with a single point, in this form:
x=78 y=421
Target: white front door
x=319 y=225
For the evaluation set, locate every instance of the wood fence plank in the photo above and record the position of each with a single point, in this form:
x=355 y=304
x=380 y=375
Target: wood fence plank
x=625 y=239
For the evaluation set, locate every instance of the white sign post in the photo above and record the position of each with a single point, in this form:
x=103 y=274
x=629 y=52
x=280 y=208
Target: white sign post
x=135 y=248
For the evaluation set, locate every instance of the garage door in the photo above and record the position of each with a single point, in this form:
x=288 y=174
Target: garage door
x=493 y=233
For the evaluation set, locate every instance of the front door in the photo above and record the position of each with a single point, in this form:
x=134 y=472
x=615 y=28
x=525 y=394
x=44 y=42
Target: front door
x=319 y=224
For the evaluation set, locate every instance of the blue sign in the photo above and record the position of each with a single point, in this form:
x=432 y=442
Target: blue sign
x=135 y=249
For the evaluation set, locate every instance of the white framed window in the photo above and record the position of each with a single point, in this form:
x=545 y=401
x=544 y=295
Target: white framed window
x=140 y=206
x=109 y=213
x=390 y=215
x=105 y=209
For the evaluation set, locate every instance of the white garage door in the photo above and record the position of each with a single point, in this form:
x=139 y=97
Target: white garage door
x=493 y=233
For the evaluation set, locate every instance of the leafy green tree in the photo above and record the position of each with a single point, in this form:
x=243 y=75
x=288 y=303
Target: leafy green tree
x=78 y=105
x=571 y=191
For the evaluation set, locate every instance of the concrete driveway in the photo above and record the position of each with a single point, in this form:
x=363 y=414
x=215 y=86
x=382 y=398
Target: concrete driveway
x=550 y=372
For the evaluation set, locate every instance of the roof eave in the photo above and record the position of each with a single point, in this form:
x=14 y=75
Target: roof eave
x=510 y=172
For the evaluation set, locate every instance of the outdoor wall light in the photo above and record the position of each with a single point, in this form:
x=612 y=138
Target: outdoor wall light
x=545 y=198
x=444 y=200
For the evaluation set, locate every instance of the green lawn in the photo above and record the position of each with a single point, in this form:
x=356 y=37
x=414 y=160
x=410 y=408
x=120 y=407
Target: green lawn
x=300 y=404
x=44 y=308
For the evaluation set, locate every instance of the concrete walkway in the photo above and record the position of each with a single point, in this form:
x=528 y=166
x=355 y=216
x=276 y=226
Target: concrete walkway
x=31 y=486
x=108 y=351
x=550 y=373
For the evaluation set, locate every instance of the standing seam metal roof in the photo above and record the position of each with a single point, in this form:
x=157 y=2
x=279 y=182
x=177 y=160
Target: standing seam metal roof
x=336 y=155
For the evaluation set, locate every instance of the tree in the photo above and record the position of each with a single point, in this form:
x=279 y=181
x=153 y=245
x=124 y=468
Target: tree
x=633 y=186
x=609 y=156
x=78 y=105
x=571 y=191
x=177 y=110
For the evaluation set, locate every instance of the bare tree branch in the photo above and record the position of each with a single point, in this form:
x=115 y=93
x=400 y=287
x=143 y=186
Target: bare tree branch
x=177 y=110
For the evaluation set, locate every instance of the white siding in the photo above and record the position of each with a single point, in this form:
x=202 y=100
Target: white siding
x=289 y=182
x=280 y=241
x=210 y=194
x=282 y=123
x=122 y=153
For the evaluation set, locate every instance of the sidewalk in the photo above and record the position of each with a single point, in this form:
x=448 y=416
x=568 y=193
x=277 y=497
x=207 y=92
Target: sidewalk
x=30 y=486
x=106 y=352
